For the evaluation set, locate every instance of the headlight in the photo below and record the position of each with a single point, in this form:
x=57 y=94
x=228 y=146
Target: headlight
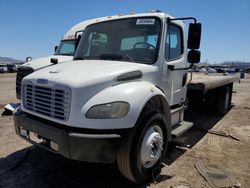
x=108 y=111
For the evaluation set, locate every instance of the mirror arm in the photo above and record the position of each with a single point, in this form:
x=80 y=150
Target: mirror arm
x=184 y=18
x=171 y=67
x=76 y=33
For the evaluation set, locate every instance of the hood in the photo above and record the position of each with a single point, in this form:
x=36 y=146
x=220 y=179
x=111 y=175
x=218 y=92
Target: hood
x=82 y=73
x=43 y=62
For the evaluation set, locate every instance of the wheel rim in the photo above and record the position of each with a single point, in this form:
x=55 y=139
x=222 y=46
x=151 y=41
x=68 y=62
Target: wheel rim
x=152 y=146
x=226 y=101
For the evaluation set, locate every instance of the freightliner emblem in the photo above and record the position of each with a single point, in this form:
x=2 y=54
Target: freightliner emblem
x=42 y=81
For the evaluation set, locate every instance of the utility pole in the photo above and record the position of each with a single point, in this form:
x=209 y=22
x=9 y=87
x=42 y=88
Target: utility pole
x=243 y=66
x=205 y=63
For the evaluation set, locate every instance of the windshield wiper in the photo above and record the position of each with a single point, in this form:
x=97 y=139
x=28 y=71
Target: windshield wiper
x=115 y=57
x=79 y=58
x=110 y=57
x=130 y=58
x=66 y=54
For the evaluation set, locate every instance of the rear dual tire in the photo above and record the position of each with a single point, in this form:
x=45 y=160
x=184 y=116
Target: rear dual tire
x=223 y=100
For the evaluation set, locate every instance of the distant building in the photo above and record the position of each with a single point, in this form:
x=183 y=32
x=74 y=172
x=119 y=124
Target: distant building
x=238 y=65
x=234 y=65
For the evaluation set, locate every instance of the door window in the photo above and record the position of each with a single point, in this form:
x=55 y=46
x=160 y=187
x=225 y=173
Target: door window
x=173 y=43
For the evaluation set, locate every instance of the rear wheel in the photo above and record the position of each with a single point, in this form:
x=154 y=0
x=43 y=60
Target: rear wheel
x=139 y=158
x=223 y=100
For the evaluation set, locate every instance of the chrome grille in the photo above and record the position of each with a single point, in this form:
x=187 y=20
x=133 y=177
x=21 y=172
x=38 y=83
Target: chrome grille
x=52 y=102
x=21 y=73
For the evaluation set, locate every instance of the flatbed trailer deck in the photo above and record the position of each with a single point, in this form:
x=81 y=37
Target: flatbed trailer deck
x=211 y=91
x=205 y=82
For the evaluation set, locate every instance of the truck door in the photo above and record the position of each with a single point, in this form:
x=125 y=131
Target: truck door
x=174 y=80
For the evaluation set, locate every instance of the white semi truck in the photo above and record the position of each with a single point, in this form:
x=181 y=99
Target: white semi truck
x=122 y=97
x=64 y=52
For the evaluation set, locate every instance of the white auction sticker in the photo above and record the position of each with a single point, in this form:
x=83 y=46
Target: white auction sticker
x=145 y=21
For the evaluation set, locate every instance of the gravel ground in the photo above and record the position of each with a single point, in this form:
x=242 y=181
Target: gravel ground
x=23 y=165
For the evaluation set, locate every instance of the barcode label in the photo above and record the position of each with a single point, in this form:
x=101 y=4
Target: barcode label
x=145 y=21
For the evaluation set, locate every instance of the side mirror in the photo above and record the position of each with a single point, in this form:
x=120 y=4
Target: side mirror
x=78 y=40
x=28 y=59
x=194 y=35
x=194 y=56
x=54 y=60
x=55 y=48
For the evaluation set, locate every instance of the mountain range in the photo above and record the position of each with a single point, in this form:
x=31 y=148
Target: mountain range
x=9 y=60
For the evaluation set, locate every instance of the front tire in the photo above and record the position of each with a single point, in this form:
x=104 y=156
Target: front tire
x=139 y=157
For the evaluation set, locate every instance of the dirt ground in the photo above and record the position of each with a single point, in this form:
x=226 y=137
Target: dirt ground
x=24 y=165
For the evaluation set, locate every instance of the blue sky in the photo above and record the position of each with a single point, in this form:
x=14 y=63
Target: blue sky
x=33 y=28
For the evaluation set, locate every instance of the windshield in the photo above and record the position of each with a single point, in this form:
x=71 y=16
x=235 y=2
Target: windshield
x=66 y=47
x=131 y=39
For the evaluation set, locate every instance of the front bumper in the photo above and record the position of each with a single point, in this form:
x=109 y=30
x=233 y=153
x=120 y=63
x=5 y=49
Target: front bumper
x=70 y=144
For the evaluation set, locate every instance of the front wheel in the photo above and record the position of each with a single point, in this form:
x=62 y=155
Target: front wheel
x=139 y=157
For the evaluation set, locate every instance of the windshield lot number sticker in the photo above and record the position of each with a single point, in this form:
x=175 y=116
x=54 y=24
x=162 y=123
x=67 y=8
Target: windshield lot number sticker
x=146 y=21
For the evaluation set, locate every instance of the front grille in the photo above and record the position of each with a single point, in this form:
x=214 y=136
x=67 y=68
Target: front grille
x=52 y=102
x=21 y=73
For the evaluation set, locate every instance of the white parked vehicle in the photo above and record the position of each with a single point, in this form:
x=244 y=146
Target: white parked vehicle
x=64 y=52
x=203 y=70
x=211 y=70
x=122 y=97
x=3 y=68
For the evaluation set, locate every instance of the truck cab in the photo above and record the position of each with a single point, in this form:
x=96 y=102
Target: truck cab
x=3 y=68
x=63 y=52
x=120 y=98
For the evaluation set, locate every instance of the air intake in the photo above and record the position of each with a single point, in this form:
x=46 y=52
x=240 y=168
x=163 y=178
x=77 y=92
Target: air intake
x=51 y=102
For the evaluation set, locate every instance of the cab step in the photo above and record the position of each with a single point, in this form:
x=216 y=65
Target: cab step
x=179 y=129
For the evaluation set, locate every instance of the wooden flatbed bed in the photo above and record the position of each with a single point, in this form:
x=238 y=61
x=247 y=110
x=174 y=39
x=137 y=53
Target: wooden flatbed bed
x=205 y=82
x=211 y=91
